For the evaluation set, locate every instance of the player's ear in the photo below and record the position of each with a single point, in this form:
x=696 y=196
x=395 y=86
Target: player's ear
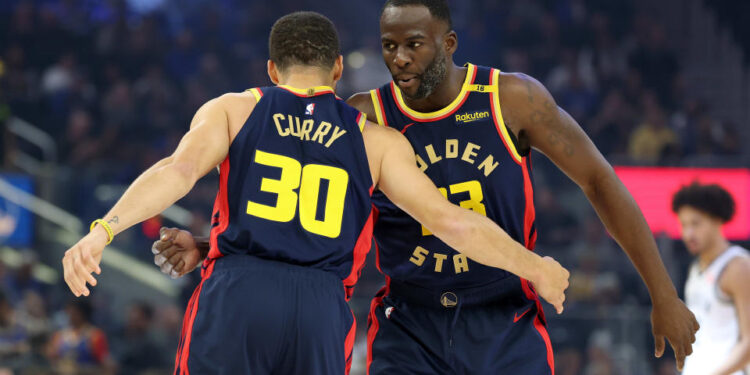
x=273 y=72
x=450 y=42
x=338 y=68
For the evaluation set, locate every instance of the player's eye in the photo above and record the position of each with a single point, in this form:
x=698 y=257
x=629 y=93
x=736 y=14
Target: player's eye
x=389 y=46
x=416 y=44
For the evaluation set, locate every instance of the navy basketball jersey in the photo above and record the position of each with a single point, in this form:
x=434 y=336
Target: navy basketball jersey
x=467 y=151
x=296 y=184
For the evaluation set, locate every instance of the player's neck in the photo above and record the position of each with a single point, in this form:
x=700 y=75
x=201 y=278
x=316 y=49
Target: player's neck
x=303 y=79
x=444 y=93
x=709 y=255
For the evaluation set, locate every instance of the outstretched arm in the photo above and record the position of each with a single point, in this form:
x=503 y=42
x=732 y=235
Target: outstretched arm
x=531 y=112
x=464 y=230
x=200 y=150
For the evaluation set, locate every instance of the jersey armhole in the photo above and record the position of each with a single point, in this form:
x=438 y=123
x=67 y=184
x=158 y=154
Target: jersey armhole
x=720 y=295
x=257 y=93
x=377 y=104
x=507 y=136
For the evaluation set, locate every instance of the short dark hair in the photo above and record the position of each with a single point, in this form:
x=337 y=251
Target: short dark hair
x=711 y=199
x=438 y=8
x=304 y=38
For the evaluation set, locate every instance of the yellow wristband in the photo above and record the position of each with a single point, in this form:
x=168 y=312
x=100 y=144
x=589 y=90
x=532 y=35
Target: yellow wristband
x=105 y=225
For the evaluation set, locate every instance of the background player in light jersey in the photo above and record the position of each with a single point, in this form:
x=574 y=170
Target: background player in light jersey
x=473 y=129
x=271 y=298
x=718 y=285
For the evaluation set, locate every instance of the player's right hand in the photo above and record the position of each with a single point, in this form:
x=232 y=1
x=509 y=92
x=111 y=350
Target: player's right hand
x=176 y=252
x=552 y=282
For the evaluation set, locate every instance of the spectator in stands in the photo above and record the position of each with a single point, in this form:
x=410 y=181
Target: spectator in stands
x=652 y=138
x=14 y=340
x=139 y=351
x=80 y=348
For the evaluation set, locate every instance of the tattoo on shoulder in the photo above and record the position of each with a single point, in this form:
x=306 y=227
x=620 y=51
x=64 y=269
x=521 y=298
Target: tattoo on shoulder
x=114 y=220
x=557 y=134
x=527 y=82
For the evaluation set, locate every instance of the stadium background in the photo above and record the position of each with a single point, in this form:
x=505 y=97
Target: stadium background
x=92 y=92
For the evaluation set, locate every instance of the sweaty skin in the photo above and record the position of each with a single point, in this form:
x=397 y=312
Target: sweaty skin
x=392 y=165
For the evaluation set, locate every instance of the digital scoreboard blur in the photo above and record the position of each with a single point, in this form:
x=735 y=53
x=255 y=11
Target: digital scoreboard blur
x=654 y=187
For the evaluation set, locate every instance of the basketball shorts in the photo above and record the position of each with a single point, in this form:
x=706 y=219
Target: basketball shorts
x=253 y=316
x=495 y=329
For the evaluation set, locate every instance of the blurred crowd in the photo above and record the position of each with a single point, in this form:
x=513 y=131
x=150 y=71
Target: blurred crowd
x=116 y=83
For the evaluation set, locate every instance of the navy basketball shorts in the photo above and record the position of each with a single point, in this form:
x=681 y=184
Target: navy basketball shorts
x=253 y=316
x=495 y=329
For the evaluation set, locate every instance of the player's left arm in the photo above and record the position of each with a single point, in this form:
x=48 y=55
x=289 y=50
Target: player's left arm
x=204 y=146
x=532 y=114
x=734 y=281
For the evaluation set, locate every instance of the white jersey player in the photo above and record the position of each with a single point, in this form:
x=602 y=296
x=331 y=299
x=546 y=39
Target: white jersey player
x=718 y=285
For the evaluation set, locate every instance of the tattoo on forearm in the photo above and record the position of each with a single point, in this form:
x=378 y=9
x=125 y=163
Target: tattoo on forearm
x=114 y=220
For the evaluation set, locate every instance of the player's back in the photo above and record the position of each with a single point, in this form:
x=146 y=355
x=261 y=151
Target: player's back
x=296 y=185
x=715 y=313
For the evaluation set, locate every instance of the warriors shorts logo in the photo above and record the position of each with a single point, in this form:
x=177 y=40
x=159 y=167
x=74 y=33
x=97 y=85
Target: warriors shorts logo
x=388 y=311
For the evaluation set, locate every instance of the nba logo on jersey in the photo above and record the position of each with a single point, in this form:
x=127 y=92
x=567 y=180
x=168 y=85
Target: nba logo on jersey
x=310 y=109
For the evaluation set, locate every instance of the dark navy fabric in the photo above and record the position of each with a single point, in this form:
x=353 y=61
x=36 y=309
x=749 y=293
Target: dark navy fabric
x=289 y=241
x=257 y=316
x=497 y=338
x=441 y=313
x=401 y=243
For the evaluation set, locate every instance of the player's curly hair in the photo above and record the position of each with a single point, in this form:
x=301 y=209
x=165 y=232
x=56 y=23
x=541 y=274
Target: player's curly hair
x=711 y=199
x=438 y=8
x=303 y=38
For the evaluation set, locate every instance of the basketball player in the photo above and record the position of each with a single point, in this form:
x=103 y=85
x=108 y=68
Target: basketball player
x=717 y=287
x=473 y=129
x=293 y=217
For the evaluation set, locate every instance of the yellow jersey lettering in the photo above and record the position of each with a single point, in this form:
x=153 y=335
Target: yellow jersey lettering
x=488 y=165
x=321 y=132
x=451 y=148
x=452 y=151
x=439 y=258
x=294 y=130
x=469 y=153
x=460 y=263
x=431 y=155
x=307 y=126
x=277 y=119
x=337 y=132
x=421 y=164
x=418 y=256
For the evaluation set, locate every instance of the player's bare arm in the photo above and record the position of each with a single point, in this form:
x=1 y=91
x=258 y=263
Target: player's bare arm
x=734 y=282
x=395 y=171
x=203 y=147
x=532 y=114
x=362 y=101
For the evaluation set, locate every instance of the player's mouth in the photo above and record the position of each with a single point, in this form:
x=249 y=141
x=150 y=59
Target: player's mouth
x=407 y=81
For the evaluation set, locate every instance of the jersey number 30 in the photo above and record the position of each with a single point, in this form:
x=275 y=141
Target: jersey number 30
x=308 y=180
